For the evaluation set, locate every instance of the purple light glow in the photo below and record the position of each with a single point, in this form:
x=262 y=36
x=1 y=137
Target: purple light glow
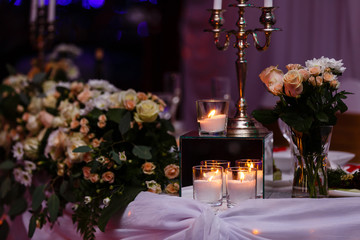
x=85 y=4
x=118 y=35
x=63 y=2
x=153 y=1
x=96 y=3
x=143 y=29
x=17 y=2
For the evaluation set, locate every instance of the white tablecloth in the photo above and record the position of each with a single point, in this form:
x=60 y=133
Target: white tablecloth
x=152 y=216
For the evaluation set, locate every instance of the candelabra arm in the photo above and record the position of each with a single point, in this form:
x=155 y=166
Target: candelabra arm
x=226 y=44
x=257 y=43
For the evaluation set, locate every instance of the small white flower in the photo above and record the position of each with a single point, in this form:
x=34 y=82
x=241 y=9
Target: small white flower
x=122 y=156
x=75 y=207
x=87 y=199
x=22 y=177
x=18 y=151
x=100 y=159
x=106 y=201
x=29 y=166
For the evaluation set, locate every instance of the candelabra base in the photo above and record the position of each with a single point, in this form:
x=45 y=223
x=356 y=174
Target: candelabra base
x=245 y=127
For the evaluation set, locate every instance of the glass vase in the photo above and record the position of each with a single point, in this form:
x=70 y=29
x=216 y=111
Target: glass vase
x=310 y=152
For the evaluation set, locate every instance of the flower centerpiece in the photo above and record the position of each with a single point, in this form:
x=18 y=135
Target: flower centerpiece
x=90 y=145
x=308 y=104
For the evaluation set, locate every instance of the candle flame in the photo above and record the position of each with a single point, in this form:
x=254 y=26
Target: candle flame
x=210 y=178
x=211 y=113
x=242 y=176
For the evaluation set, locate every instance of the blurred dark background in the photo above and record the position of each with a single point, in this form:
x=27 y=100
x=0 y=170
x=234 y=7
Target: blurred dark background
x=139 y=38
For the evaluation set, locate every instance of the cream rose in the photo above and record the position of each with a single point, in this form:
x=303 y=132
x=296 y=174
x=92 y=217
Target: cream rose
x=127 y=95
x=335 y=84
x=293 y=83
x=171 y=171
x=273 y=79
x=85 y=95
x=72 y=143
x=328 y=76
x=293 y=66
x=50 y=101
x=146 y=111
x=315 y=70
x=32 y=124
x=31 y=147
x=35 y=105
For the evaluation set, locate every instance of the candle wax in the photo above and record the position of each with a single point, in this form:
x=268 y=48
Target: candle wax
x=208 y=191
x=238 y=191
x=268 y=3
x=259 y=182
x=217 y=4
x=213 y=124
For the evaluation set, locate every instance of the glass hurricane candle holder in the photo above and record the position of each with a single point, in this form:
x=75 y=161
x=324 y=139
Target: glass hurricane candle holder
x=222 y=163
x=212 y=116
x=207 y=184
x=254 y=163
x=240 y=185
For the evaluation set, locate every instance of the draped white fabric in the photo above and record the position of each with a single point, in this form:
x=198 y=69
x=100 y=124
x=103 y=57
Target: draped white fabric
x=153 y=216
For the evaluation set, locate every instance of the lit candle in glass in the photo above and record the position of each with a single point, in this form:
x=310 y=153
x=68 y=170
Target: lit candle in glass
x=222 y=163
x=240 y=185
x=254 y=163
x=207 y=184
x=212 y=116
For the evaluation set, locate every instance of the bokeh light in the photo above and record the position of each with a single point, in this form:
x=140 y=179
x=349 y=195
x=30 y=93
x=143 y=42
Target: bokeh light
x=143 y=29
x=96 y=3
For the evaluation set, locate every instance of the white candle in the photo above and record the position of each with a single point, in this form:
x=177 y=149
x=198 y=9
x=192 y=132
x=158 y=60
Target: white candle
x=33 y=11
x=238 y=190
x=215 y=123
x=217 y=4
x=268 y=3
x=208 y=191
x=41 y=3
x=51 y=11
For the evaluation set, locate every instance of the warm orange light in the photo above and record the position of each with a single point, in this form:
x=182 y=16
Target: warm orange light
x=211 y=113
x=129 y=214
x=255 y=231
x=242 y=176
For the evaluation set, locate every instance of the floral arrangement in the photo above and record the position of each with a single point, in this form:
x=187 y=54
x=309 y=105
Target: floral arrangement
x=309 y=102
x=90 y=145
x=308 y=95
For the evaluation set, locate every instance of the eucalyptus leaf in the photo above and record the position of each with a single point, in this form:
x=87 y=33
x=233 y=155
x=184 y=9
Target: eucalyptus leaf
x=5 y=187
x=322 y=117
x=7 y=165
x=265 y=116
x=17 y=207
x=115 y=157
x=124 y=124
x=142 y=152
x=38 y=197
x=115 y=114
x=82 y=149
x=39 y=78
x=53 y=206
x=32 y=226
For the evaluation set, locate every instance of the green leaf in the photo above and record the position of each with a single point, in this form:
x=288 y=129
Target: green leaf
x=95 y=113
x=5 y=187
x=24 y=98
x=142 y=152
x=115 y=157
x=124 y=124
x=265 y=116
x=342 y=106
x=117 y=205
x=115 y=114
x=38 y=197
x=39 y=78
x=32 y=226
x=66 y=191
x=322 y=117
x=7 y=165
x=82 y=149
x=53 y=206
x=17 y=207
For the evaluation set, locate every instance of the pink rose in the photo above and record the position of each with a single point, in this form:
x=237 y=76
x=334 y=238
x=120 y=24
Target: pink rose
x=293 y=67
x=84 y=121
x=273 y=79
x=101 y=124
x=74 y=124
x=328 y=76
x=171 y=171
x=87 y=157
x=84 y=96
x=172 y=188
x=319 y=81
x=335 y=84
x=86 y=172
x=148 y=168
x=94 y=177
x=108 y=177
x=129 y=104
x=141 y=96
x=46 y=118
x=95 y=142
x=305 y=74
x=84 y=129
x=102 y=118
x=293 y=83
x=315 y=70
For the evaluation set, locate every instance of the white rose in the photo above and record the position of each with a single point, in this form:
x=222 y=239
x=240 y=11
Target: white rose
x=68 y=110
x=293 y=83
x=127 y=95
x=35 y=105
x=273 y=79
x=32 y=124
x=55 y=146
x=72 y=143
x=50 y=101
x=146 y=111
